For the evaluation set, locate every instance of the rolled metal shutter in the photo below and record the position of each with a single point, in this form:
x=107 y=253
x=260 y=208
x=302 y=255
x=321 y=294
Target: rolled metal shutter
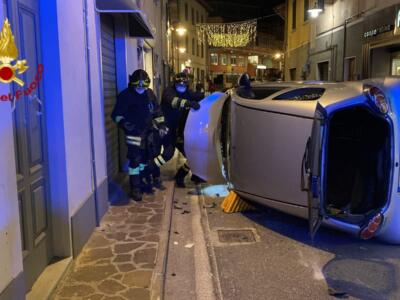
x=110 y=93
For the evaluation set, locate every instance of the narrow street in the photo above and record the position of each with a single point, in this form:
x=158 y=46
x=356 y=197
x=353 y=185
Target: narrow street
x=265 y=254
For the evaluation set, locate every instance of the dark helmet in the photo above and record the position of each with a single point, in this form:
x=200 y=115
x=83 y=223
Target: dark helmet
x=181 y=78
x=139 y=78
x=244 y=80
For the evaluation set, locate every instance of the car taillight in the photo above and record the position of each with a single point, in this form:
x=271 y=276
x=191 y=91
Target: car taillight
x=378 y=98
x=372 y=227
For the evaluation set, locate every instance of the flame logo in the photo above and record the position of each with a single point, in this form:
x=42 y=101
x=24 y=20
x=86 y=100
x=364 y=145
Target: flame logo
x=9 y=53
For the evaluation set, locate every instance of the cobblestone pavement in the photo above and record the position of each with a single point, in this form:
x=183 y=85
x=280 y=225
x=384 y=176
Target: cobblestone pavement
x=118 y=261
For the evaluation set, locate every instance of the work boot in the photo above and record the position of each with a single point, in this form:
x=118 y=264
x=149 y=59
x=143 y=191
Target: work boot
x=157 y=183
x=146 y=186
x=196 y=179
x=136 y=193
x=180 y=176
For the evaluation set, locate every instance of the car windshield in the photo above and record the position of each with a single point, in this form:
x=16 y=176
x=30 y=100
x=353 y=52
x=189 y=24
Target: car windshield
x=258 y=93
x=305 y=94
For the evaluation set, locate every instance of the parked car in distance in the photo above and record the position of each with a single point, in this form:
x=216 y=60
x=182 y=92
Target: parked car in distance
x=328 y=152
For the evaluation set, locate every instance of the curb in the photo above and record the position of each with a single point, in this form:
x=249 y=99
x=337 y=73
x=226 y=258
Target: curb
x=158 y=277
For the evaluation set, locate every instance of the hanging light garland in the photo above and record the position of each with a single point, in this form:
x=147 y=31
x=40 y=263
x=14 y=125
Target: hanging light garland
x=238 y=34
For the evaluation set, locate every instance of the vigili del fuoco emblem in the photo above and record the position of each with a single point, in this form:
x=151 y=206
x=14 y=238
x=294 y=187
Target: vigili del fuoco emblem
x=9 y=53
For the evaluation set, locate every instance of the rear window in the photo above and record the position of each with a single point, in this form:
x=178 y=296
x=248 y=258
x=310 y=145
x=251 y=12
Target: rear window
x=258 y=93
x=305 y=94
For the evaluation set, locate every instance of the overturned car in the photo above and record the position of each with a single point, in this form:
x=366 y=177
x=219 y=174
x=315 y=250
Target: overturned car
x=328 y=152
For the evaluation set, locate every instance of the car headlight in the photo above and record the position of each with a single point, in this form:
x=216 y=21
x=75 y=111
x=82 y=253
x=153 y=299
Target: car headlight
x=378 y=98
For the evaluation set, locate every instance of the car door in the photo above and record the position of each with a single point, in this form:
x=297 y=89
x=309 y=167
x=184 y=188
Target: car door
x=313 y=169
x=202 y=139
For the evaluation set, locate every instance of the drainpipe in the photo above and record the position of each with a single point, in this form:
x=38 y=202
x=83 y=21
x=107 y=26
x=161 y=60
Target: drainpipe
x=89 y=95
x=344 y=46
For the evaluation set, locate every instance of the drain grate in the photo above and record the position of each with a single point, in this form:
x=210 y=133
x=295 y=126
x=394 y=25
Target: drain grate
x=236 y=236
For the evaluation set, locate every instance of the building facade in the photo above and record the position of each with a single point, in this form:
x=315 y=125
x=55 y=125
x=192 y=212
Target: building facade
x=297 y=40
x=349 y=40
x=185 y=51
x=60 y=150
x=263 y=61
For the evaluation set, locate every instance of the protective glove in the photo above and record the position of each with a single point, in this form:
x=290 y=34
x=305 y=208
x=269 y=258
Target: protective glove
x=126 y=125
x=163 y=130
x=194 y=104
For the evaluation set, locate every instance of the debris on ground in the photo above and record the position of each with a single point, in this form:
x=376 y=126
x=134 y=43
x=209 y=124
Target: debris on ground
x=186 y=212
x=190 y=245
x=177 y=206
x=176 y=232
x=176 y=243
x=212 y=205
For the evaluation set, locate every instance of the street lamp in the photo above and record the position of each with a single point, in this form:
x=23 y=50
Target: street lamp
x=315 y=11
x=181 y=31
x=278 y=55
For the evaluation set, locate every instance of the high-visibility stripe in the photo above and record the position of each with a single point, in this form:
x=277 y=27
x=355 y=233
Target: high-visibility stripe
x=142 y=166
x=183 y=102
x=157 y=162
x=175 y=102
x=118 y=118
x=186 y=167
x=135 y=138
x=161 y=159
x=134 y=143
x=159 y=119
x=135 y=171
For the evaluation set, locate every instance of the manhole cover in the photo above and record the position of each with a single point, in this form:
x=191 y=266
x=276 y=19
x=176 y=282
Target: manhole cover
x=236 y=236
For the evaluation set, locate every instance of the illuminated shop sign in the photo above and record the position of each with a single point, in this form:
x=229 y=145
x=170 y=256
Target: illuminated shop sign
x=378 y=31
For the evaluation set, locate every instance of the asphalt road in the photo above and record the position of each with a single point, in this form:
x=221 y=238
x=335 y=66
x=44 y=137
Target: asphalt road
x=274 y=259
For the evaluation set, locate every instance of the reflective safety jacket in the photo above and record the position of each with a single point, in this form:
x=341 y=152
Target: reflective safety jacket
x=141 y=110
x=175 y=106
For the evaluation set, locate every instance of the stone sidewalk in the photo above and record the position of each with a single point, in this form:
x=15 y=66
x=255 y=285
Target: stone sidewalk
x=119 y=260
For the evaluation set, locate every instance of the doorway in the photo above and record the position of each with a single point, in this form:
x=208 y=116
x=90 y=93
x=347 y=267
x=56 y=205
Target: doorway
x=323 y=71
x=30 y=146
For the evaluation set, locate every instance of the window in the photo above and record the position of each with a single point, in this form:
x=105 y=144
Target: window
x=223 y=59
x=202 y=75
x=193 y=47
x=197 y=48
x=292 y=74
x=214 y=59
x=306 y=7
x=305 y=94
x=186 y=12
x=233 y=60
x=202 y=19
x=187 y=43
x=240 y=61
x=193 y=16
x=202 y=50
x=253 y=59
x=321 y=4
x=260 y=93
x=197 y=17
x=294 y=12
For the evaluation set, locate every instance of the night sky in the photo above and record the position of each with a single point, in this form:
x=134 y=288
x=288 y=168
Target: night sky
x=236 y=10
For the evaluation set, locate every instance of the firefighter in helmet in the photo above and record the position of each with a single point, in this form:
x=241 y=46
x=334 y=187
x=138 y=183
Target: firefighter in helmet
x=176 y=102
x=137 y=113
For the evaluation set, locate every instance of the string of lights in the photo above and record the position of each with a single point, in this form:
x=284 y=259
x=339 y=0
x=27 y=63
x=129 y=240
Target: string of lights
x=234 y=34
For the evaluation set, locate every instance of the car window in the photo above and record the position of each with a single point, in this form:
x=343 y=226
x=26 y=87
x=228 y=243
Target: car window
x=305 y=94
x=258 y=93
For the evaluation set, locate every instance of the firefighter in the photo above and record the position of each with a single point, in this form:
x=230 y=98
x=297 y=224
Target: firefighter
x=176 y=102
x=138 y=114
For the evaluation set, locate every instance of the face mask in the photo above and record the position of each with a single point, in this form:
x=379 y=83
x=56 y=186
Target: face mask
x=140 y=90
x=181 y=88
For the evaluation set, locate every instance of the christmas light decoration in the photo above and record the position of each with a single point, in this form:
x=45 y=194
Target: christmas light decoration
x=238 y=34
